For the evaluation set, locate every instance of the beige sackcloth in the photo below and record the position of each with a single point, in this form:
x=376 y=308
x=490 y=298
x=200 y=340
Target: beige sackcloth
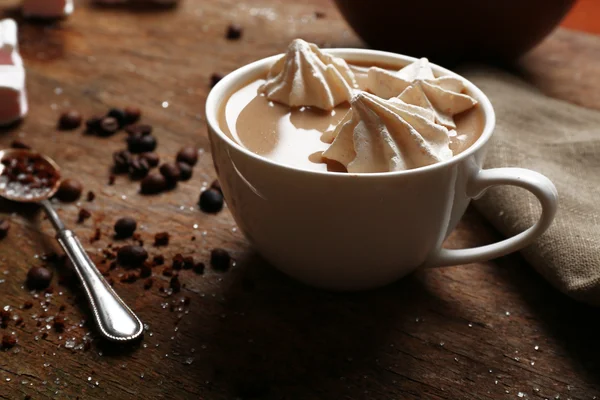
x=561 y=141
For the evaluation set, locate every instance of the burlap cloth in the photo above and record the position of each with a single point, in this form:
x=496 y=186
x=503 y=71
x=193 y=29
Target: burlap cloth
x=561 y=141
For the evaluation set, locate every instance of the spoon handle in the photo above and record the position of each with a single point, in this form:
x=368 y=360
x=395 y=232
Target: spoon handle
x=115 y=320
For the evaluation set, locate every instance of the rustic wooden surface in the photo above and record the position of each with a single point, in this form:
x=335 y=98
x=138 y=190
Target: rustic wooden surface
x=488 y=331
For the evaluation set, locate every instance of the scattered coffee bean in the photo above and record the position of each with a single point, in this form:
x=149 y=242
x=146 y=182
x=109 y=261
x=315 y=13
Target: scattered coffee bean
x=93 y=123
x=62 y=307
x=141 y=143
x=17 y=144
x=83 y=215
x=234 y=32
x=5 y=317
x=217 y=186
x=170 y=172
x=215 y=78
x=124 y=227
x=211 y=201
x=151 y=158
x=185 y=171
x=121 y=160
x=132 y=256
x=188 y=155
x=199 y=268
x=319 y=15
x=8 y=341
x=27 y=305
x=59 y=323
x=174 y=284
x=108 y=126
x=220 y=259
x=91 y=196
x=188 y=262
x=132 y=114
x=148 y=283
x=119 y=115
x=111 y=179
x=153 y=183
x=70 y=120
x=69 y=191
x=138 y=168
x=138 y=129
x=4 y=227
x=161 y=239
x=177 y=261
x=38 y=278
x=158 y=259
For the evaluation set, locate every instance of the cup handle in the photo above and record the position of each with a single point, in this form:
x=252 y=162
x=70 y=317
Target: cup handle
x=536 y=183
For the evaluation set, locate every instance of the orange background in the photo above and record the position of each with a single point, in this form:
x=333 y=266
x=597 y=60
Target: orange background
x=584 y=16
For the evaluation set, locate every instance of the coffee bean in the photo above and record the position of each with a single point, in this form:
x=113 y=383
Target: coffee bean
x=161 y=239
x=69 y=191
x=138 y=168
x=83 y=215
x=185 y=171
x=188 y=262
x=70 y=120
x=4 y=227
x=234 y=32
x=93 y=123
x=132 y=114
x=215 y=78
x=121 y=160
x=174 y=284
x=17 y=144
x=132 y=256
x=170 y=172
x=177 y=261
x=211 y=201
x=188 y=155
x=220 y=259
x=108 y=126
x=153 y=183
x=151 y=158
x=8 y=341
x=38 y=278
x=199 y=268
x=146 y=270
x=118 y=114
x=141 y=129
x=124 y=227
x=91 y=196
x=138 y=143
x=158 y=259
x=216 y=185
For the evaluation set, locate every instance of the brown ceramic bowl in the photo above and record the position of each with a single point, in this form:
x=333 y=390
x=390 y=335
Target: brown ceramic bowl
x=454 y=30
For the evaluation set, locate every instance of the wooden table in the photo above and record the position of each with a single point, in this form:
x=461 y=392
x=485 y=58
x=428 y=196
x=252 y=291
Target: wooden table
x=488 y=331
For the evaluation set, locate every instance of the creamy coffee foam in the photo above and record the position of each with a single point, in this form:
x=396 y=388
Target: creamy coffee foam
x=307 y=77
x=297 y=137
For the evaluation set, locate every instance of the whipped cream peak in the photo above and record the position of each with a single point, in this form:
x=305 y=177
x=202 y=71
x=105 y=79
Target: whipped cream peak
x=416 y=84
x=379 y=135
x=305 y=76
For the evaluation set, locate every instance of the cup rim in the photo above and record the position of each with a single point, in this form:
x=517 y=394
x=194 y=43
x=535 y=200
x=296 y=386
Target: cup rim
x=223 y=89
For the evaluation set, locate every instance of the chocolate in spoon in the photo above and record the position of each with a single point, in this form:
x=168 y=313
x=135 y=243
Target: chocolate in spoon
x=29 y=177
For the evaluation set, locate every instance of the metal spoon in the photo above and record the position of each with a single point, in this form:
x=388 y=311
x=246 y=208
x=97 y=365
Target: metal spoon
x=115 y=320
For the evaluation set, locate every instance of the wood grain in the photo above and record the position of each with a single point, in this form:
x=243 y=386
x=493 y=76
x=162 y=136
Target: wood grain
x=488 y=331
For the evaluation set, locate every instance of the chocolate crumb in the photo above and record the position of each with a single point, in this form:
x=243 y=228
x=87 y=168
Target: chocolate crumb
x=145 y=270
x=158 y=259
x=91 y=196
x=129 y=277
x=199 y=268
x=44 y=335
x=69 y=190
x=18 y=321
x=167 y=271
x=4 y=228
x=132 y=114
x=9 y=341
x=193 y=238
x=62 y=307
x=17 y=144
x=220 y=259
x=177 y=261
x=5 y=317
x=70 y=120
x=125 y=227
x=111 y=179
x=215 y=78
x=148 y=283
x=38 y=278
x=27 y=305
x=96 y=236
x=59 y=323
x=174 y=284
x=132 y=256
x=234 y=32
x=188 y=155
x=152 y=184
x=188 y=262
x=211 y=201
x=83 y=215
x=319 y=15
x=161 y=239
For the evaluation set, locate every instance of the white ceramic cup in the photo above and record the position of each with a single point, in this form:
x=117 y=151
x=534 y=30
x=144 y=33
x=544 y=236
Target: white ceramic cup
x=350 y=231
